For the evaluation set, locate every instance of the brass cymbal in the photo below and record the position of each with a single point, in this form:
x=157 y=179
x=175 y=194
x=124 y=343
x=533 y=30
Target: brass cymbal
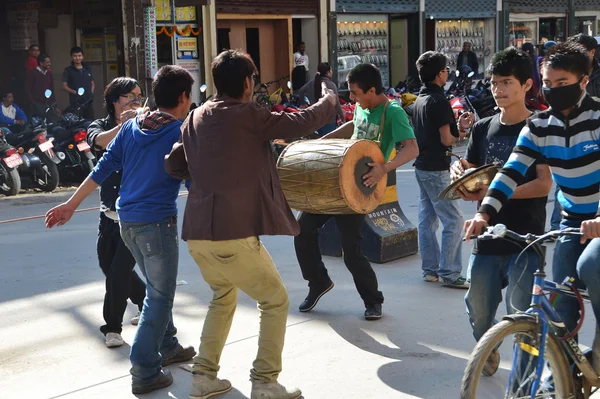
x=483 y=175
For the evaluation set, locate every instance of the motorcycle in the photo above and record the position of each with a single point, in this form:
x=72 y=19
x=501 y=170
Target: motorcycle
x=70 y=133
x=478 y=101
x=39 y=160
x=10 y=181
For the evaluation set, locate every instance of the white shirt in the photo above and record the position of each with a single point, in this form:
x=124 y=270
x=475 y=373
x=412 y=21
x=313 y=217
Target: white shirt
x=9 y=112
x=300 y=59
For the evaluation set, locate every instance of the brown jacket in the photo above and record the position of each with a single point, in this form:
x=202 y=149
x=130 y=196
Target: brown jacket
x=235 y=190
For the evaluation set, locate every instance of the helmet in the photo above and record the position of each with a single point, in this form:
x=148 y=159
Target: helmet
x=549 y=44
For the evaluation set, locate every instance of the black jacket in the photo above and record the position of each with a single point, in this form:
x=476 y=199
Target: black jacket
x=471 y=61
x=593 y=87
x=109 y=190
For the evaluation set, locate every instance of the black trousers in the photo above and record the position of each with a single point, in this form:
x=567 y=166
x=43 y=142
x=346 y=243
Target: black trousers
x=311 y=262
x=122 y=282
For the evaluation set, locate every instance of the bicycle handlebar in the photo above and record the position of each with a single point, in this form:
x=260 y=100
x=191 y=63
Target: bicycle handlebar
x=500 y=231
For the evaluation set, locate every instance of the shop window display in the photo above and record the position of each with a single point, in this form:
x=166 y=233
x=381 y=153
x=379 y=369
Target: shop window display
x=452 y=34
x=520 y=33
x=362 y=39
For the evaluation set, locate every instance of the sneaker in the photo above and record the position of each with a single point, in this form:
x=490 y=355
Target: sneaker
x=373 y=312
x=273 y=390
x=182 y=355
x=314 y=294
x=164 y=380
x=431 y=278
x=114 y=340
x=204 y=387
x=460 y=282
x=491 y=364
x=136 y=319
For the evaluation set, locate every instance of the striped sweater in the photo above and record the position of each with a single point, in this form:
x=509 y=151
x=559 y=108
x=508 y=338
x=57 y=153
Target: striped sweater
x=572 y=148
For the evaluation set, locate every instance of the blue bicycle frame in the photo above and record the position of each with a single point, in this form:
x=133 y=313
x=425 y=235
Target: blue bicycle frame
x=547 y=318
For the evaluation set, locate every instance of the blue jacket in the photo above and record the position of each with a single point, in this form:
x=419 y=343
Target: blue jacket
x=9 y=121
x=148 y=194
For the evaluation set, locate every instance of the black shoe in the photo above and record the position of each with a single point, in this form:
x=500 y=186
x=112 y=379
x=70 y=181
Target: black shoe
x=373 y=312
x=164 y=380
x=182 y=355
x=313 y=297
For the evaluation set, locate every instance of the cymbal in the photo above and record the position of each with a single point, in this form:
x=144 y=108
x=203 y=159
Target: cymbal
x=483 y=175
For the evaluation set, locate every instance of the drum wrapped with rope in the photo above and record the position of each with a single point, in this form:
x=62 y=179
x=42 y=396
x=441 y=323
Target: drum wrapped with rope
x=326 y=176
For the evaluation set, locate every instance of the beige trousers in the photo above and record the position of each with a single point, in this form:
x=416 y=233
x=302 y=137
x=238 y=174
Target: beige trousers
x=244 y=264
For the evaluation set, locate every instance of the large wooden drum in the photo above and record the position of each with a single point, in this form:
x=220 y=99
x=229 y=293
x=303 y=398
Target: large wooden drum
x=325 y=176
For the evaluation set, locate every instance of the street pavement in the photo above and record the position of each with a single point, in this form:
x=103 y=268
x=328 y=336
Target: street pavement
x=51 y=292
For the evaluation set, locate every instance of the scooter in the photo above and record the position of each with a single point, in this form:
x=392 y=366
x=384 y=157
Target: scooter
x=10 y=181
x=70 y=133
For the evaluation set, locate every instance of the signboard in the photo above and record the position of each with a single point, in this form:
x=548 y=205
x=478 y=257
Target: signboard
x=111 y=47
x=92 y=48
x=187 y=44
x=22 y=19
x=186 y=14
x=163 y=10
x=150 y=41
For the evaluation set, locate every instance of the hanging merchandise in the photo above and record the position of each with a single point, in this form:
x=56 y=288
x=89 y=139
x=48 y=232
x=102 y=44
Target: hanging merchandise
x=452 y=34
x=362 y=39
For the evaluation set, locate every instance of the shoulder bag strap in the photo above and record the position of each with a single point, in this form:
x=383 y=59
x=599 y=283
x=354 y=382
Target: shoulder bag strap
x=382 y=123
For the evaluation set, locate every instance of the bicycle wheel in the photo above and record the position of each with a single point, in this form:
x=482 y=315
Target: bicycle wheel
x=523 y=334
x=263 y=101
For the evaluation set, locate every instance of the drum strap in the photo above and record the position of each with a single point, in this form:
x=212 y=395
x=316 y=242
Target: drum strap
x=382 y=121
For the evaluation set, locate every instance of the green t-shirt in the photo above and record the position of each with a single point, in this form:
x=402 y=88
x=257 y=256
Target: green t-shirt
x=395 y=128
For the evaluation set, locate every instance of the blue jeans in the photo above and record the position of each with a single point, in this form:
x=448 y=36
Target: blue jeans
x=556 y=212
x=330 y=127
x=447 y=263
x=582 y=262
x=489 y=274
x=155 y=247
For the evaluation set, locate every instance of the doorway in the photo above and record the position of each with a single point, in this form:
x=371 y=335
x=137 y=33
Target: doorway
x=253 y=46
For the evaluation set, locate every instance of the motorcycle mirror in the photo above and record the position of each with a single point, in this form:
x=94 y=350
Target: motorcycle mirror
x=48 y=93
x=203 y=88
x=289 y=85
x=457 y=73
x=306 y=100
x=471 y=74
x=80 y=91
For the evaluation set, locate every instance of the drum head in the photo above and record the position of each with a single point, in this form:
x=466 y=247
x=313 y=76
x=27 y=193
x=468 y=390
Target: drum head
x=359 y=198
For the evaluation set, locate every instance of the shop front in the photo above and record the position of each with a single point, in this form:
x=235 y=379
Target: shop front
x=376 y=32
x=178 y=40
x=449 y=25
x=536 y=28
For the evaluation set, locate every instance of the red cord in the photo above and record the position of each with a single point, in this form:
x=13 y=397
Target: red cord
x=582 y=308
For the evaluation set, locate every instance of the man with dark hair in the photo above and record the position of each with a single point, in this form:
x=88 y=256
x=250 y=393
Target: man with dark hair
x=12 y=115
x=468 y=57
x=591 y=46
x=566 y=135
x=75 y=76
x=122 y=99
x=34 y=53
x=232 y=202
x=300 y=57
x=493 y=263
x=147 y=212
x=377 y=119
x=436 y=130
x=38 y=81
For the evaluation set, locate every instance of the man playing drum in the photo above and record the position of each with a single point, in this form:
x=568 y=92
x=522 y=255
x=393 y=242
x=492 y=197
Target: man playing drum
x=378 y=119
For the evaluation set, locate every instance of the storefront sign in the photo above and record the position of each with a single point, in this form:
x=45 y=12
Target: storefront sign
x=186 y=14
x=150 y=41
x=163 y=10
x=92 y=48
x=187 y=44
x=111 y=47
x=22 y=19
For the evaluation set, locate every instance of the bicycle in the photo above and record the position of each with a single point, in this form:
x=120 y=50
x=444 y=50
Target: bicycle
x=538 y=335
x=262 y=97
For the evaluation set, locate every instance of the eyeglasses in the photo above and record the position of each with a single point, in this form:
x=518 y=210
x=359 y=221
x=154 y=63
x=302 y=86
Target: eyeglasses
x=132 y=98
